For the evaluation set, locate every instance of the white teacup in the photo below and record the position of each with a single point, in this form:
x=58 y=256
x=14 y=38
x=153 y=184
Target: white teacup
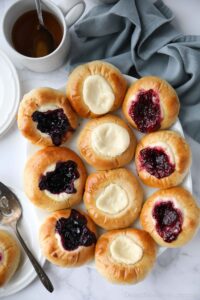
x=66 y=14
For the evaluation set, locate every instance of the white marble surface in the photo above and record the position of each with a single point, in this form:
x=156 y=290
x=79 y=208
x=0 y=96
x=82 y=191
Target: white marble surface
x=176 y=274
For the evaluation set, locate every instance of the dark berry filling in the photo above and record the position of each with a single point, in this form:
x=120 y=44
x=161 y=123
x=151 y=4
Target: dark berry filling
x=156 y=162
x=61 y=179
x=145 y=111
x=1 y=256
x=74 y=232
x=169 y=221
x=52 y=122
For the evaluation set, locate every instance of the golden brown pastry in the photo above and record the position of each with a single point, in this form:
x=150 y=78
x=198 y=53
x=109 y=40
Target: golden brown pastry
x=151 y=104
x=46 y=118
x=68 y=238
x=54 y=178
x=171 y=217
x=9 y=257
x=107 y=143
x=113 y=198
x=125 y=256
x=162 y=159
x=95 y=89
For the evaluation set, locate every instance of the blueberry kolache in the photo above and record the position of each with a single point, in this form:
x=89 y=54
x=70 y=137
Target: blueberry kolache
x=171 y=216
x=151 y=104
x=68 y=238
x=45 y=117
x=54 y=178
x=162 y=159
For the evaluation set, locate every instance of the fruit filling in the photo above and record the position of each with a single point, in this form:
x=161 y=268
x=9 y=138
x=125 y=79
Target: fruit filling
x=74 y=231
x=61 y=180
x=1 y=257
x=156 y=162
x=54 y=123
x=145 y=111
x=169 y=220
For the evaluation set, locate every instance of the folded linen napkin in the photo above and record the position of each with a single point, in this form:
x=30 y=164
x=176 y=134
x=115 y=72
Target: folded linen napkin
x=139 y=38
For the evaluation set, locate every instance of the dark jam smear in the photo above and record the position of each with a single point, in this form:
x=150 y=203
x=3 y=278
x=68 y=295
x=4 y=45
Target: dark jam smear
x=145 y=111
x=169 y=220
x=1 y=256
x=54 y=123
x=74 y=232
x=156 y=162
x=61 y=179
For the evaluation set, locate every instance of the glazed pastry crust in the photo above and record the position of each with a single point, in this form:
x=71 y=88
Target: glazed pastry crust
x=36 y=166
x=54 y=252
x=11 y=257
x=190 y=210
x=97 y=182
x=31 y=102
x=125 y=273
x=99 y=161
x=169 y=100
x=181 y=152
x=76 y=80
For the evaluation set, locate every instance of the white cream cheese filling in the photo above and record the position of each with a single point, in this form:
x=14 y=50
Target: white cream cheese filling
x=110 y=139
x=125 y=250
x=58 y=238
x=112 y=200
x=61 y=196
x=46 y=107
x=98 y=94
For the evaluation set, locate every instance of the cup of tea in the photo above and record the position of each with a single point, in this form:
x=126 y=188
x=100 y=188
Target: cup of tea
x=20 y=25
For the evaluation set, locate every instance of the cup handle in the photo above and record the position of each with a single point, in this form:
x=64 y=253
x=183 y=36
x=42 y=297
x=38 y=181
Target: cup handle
x=72 y=11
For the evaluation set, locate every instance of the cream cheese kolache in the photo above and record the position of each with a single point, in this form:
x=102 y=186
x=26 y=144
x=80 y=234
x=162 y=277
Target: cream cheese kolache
x=113 y=198
x=125 y=256
x=45 y=117
x=106 y=143
x=95 y=89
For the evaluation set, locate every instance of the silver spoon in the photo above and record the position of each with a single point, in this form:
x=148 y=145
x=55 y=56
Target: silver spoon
x=43 y=43
x=10 y=214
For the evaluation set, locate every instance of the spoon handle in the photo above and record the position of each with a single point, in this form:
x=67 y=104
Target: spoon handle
x=41 y=274
x=39 y=11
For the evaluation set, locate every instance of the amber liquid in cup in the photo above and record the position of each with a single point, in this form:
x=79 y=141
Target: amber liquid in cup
x=25 y=31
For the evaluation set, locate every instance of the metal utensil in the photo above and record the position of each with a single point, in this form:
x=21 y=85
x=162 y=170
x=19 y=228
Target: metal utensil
x=43 y=43
x=10 y=214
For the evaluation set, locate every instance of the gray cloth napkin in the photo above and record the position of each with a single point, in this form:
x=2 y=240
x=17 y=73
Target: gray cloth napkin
x=139 y=38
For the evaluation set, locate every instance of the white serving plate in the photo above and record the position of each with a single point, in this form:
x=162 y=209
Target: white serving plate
x=9 y=93
x=187 y=183
x=28 y=228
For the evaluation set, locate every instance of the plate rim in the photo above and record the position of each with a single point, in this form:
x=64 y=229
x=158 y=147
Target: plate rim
x=28 y=277
x=16 y=80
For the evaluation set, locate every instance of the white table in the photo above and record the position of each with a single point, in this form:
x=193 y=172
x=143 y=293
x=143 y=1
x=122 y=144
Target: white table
x=176 y=274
